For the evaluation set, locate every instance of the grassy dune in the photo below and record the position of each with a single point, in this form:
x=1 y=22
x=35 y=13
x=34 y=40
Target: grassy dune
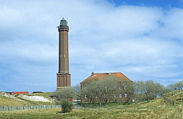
x=176 y=96
x=6 y=101
x=155 y=109
x=45 y=94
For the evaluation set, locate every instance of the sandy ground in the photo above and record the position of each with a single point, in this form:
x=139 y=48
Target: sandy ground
x=30 y=98
x=35 y=98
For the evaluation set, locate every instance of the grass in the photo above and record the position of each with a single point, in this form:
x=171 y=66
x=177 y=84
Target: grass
x=45 y=94
x=6 y=101
x=176 y=96
x=155 y=109
x=30 y=114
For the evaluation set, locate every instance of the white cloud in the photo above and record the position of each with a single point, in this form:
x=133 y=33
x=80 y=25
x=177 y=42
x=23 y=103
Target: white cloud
x=9 y=16
x=143 y=42
x=171 y=25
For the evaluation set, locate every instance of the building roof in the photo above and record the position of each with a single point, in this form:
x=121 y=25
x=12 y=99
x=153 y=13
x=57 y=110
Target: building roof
x=102 y=76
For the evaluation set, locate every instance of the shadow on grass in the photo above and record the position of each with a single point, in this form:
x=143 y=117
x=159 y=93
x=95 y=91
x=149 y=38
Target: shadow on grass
x=98 y=105
x=60 y=112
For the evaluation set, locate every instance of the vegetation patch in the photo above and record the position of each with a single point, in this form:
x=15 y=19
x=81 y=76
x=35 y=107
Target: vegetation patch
x=155 y=109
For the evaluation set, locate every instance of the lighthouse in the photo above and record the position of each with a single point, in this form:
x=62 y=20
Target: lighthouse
x=63 y=75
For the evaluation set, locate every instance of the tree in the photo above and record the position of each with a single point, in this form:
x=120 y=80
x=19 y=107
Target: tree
x=77 y=92
x=176 y=86
x=179 y=85
x=66 y=106
x=139 y=88
x=111 y=90
x=107 y=90
x=66 y=93
x=127 y=88
x=89 y=91
x=148 y=90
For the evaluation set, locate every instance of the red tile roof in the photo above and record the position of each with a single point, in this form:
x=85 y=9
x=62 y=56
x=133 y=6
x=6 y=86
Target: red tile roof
x=102 y=76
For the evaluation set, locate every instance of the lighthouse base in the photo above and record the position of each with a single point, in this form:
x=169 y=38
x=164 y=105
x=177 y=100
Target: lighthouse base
x=63 y=81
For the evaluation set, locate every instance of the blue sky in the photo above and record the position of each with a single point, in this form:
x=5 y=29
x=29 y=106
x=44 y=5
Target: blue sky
x=140 y=38
x=157 y=3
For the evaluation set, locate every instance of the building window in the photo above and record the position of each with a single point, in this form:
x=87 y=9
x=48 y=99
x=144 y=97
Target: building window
x=120 y=95
x=126 y=95
x=85 y=96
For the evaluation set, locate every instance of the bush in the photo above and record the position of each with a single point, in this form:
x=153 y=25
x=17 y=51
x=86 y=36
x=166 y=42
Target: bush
x=66 y=106
x=66 y=93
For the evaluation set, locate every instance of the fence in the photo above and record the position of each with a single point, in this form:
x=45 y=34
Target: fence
x=168 y=100
x=10 y=108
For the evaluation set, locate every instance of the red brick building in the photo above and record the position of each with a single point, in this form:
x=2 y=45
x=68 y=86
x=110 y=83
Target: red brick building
x=103 y=76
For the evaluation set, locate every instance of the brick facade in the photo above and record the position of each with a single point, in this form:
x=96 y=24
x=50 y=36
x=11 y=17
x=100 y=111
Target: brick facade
x=63 y=76
x=103 y=76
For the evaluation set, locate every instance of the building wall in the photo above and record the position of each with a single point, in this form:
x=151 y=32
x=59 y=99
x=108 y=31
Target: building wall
x=63 y=76
x=63 y=80
x=84 y=97
x=63 y=52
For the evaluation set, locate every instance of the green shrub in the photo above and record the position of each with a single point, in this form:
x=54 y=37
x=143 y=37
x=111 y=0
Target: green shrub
x=66 y=106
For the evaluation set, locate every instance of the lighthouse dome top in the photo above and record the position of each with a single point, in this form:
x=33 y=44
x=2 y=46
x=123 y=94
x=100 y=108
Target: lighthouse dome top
x=63 y=22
